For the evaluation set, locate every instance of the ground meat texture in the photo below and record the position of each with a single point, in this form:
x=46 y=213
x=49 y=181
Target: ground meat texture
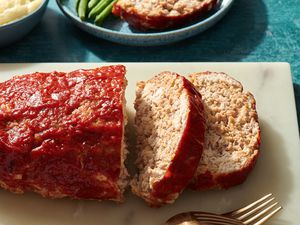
x=232 y=137
x=61 y=134
x=161 y=14
x=170 y=137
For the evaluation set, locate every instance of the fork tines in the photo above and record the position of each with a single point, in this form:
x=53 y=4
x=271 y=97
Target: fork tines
x=257 y=212
x=210 y=218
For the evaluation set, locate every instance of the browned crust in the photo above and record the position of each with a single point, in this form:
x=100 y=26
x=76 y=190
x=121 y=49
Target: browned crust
x=145 y=22
x=207 y=180
x=31 y=173
x=187 y=156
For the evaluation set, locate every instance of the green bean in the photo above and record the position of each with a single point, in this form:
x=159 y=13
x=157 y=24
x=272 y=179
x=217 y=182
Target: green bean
x=82 y=9
x=93 y=3
x=76 y=5
x=98 y=8
x=105 y=13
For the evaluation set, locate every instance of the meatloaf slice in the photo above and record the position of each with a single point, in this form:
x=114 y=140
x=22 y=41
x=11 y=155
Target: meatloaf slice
x=161 y=14
x=62 y=134
x=232 y=137
x=170 y=136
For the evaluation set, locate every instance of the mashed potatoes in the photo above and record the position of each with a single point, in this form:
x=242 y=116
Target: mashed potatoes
x=11 y=10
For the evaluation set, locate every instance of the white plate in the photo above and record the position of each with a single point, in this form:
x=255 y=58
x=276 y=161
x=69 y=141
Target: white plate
x=277 y=170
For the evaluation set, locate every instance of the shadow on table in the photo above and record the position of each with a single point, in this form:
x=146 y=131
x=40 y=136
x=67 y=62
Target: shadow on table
x=232 y=39
x=297 y=99
x=54 y=39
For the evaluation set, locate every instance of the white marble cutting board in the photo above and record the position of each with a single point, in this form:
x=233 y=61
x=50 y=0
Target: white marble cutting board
x=277 y=170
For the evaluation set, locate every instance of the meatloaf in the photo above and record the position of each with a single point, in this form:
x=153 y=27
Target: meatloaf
x=161 y=14
x=170 y=136
x=232 y=137
x=62 y=134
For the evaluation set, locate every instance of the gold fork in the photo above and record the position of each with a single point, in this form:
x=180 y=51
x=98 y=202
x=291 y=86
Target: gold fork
x=256 y=213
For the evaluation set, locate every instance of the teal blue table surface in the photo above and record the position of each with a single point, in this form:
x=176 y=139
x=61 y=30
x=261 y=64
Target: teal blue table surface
x=252 y=31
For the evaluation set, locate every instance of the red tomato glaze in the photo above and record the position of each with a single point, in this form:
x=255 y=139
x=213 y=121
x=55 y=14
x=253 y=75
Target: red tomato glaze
x=61 y=133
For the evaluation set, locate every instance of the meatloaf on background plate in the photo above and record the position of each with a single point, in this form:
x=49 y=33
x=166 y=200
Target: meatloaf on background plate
x=161 y=14
x=232 y=137
x=170 y=136
x=62 y=134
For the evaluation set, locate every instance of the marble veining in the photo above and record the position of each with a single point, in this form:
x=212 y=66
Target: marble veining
x=277 y=169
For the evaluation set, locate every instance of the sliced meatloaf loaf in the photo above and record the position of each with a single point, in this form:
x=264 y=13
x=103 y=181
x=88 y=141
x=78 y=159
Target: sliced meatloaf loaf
x=232 y=137
x=62 y=134
x=170 y=136
x=161 y=14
